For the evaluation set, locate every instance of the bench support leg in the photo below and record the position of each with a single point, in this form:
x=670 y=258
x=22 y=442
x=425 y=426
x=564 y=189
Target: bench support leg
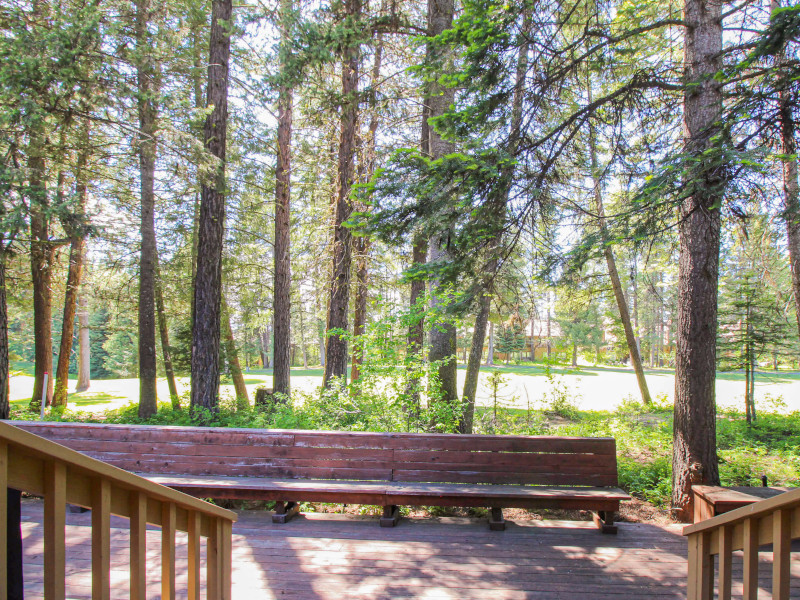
x=391 y=515
x=496 y=520
x=604 y=520
x=284 y=511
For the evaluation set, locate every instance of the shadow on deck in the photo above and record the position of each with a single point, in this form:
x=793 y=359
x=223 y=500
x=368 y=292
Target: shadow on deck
x=324 y=556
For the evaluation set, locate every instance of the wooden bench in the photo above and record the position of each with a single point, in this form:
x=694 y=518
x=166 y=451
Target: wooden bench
x=382 y=469
x=713 y=500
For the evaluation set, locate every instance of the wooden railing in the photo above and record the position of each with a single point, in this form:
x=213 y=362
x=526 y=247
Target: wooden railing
x=774 y=521
x=32 y=464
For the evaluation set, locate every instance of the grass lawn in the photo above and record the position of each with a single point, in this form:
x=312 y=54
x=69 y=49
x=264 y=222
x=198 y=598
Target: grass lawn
x=589 y=387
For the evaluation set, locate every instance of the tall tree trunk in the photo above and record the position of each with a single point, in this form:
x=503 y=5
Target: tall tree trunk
x=752 y=366
x=303 y=338
x=265 y=338
x=361 y=247
x=147 y=88
x=747 y=383
x=490 y=347
x=232 y=354
x=549 y=345
x=791 y=187
x=474 y=361
x=416 y=331
x=694 y=459
x=613 y=273
x=442 y=335
x=533 y=341
x=197 y=22
x=42 y=254
x=5 y=406
x=68 y=323
x=208 y=282
x=337 y=325
x=282 y=303
x=635 y=294
x=163 y=330
x=84 y=343
x=77 y=251
x=497 y=204
x=362 y=242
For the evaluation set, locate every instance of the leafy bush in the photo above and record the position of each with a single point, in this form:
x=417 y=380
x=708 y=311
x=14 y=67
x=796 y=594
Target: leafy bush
x=651 y=481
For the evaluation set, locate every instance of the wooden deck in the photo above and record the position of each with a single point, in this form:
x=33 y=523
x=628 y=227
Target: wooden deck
x=324 y=556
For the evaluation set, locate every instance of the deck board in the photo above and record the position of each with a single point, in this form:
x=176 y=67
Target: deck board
x=329 y=556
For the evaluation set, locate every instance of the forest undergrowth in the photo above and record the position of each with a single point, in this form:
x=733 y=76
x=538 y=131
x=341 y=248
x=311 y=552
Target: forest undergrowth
x=769 y=447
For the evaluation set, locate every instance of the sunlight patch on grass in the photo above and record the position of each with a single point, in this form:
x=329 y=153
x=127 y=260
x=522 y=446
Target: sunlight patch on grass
x=88 y=398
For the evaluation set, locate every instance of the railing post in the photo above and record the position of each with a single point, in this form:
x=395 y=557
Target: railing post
x=701 y=571
x=194 y=555
x=4 y=554
x=168 y=551
x=781 y=558
x=226 y=561
x=55 y=507
x=101 y=540
x=750 y=560
x=725 y=562
x=138 y=525
x=13 y=547
x=213 y=559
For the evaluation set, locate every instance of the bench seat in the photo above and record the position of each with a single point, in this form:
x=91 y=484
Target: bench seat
x=382 y=493
x=382 y=469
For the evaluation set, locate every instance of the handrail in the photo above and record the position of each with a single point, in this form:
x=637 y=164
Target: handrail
x=773 y=521
x=41 y=467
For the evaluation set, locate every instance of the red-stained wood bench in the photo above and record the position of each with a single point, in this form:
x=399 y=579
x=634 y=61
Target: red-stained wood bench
x=382 y=469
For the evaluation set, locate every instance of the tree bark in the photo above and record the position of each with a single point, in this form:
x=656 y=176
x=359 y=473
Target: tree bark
x=362 y=242
x=497 y=202
x=265 y=337
x=416 y=332
x=231 y=353
x=613 y=273
x=442 y=335
x=337 y=324
x=84 y=344
x=147 y=89
x=549 y=345
x=361 y=247
x=68 y=323
x=474 y=361
x=42 y=254
x=5 y=406
x=694 y=439
x=791 y=187
x=282 y=303
x=490 y=346
x=208 y=282
x=533 y=333
x=303 y=338
x=77 y=251
x=163 y=330
x=197 y=21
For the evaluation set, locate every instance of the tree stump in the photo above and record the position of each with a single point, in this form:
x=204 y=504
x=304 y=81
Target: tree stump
x=265 y=399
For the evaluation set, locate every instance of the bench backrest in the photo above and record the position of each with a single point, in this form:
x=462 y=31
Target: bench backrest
x=409 y=457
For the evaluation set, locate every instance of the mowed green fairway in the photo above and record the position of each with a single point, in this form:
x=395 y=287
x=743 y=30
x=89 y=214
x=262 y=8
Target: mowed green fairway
x=590 y=388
